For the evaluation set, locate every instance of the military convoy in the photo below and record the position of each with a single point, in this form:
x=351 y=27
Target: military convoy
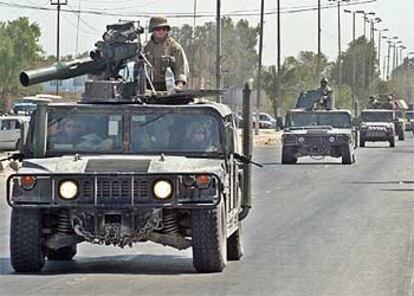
x=126 y=165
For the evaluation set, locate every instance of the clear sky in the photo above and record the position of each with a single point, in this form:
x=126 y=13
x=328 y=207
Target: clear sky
x=299 y=30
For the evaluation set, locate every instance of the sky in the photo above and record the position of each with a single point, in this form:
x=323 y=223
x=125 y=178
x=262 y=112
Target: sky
x=80 y=31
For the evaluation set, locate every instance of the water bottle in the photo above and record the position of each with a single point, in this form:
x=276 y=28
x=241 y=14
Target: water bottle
x=169 y=79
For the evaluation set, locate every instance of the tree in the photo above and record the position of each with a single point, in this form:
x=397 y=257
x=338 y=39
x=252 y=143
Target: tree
x=365 y=67
x=19 y=49
x=295 y=75
x=239 y=56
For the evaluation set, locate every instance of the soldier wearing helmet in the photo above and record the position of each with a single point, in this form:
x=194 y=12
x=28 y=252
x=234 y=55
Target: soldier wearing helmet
x=162 y=51
x=326 y=94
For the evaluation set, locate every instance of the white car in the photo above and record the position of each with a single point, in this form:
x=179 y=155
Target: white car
x=265 y=120
x=10 y=131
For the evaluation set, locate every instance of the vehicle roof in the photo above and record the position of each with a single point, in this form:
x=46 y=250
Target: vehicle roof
x=222 y=109
x=320 y=111
x=378 y=110
x=22 y=117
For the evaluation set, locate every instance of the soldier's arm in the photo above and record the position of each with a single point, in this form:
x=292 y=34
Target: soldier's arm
x=180 y=68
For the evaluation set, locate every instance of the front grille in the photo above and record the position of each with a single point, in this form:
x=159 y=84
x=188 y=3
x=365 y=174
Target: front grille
x=115 y=190
x=314 y=140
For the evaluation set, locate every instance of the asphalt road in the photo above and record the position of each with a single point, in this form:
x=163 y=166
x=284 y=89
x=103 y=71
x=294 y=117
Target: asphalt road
x=317 y=228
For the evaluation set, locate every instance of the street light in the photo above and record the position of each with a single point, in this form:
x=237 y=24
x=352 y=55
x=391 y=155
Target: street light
x=354 y=104
x=365 y=18
x=339 y=47
x=379 y=45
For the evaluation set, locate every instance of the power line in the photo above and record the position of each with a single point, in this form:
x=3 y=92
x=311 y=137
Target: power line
x=287 y=10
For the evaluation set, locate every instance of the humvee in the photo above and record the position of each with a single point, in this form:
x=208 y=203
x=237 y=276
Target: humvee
x=318 y=133
x=128 y=165
x=377 y=125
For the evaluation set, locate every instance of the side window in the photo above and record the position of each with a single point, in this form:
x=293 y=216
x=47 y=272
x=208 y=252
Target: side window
x=17 y=124
x=6 y=124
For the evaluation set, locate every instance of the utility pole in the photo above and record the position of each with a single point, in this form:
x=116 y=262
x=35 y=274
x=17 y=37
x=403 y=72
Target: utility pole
x=318 y=68
x=388 y=59
x=58 y=3
x=339 y=53
x=218 y=49
x=278 y=60
x=354 y=103
x=193 y=39
x=259 y=68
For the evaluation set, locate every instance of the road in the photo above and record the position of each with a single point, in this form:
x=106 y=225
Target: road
x=317 y=228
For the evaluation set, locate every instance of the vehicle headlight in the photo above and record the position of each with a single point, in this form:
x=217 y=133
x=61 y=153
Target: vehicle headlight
x=162 y=189
x=68 y=189
x=331 y=139
x=301 y=139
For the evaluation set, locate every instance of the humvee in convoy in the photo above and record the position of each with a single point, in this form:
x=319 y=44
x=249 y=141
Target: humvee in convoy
x=123 y=167
x=318 y=133
x=377 y=125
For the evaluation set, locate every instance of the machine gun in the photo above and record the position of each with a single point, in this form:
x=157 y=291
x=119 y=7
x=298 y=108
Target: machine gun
x=121 y=44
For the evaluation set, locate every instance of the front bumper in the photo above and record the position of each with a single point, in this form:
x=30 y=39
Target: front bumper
x=319 y=145
x=113 y=190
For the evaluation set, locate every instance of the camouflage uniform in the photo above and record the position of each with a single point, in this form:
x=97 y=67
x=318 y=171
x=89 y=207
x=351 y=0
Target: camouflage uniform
x=155 y=49
x=326 y=94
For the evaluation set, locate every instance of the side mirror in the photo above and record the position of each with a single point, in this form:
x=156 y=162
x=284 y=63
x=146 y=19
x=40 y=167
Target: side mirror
x=22 y=139
x=229 y=140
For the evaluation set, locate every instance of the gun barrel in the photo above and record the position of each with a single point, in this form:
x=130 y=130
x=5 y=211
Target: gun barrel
x=62 y=70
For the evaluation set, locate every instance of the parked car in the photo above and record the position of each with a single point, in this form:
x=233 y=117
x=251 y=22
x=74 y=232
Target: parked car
x=10 y=131
x=265 y=120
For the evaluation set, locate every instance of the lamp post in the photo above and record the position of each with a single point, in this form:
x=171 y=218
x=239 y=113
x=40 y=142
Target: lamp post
x=379 y=45
x=365 y=19
x=58 y=4
x=354 y=104
x=339 y=47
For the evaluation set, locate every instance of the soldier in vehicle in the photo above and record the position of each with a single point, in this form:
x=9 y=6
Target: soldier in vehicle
x=68 y=133
x=162 y=51
x=326 y=94
x=199 y=137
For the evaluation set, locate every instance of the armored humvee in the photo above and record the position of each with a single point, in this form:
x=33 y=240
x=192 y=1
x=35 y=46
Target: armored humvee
x=318 y=133
x=377 y=125
x=117 y=170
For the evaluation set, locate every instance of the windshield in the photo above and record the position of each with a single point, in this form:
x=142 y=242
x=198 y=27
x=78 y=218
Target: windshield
x=336 y=120
x=174 y=132
x=377 y=116
x=84 y=131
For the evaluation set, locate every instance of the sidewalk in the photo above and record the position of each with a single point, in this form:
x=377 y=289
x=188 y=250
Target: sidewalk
x=267 y=138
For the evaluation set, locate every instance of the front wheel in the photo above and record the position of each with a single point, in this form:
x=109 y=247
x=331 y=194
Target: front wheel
x=288 y=155
x=62 y=254
x=392 y=142
x=401 y=135
x=209 y=239
x=346 y=155
x=26 y=251
x=234 y=245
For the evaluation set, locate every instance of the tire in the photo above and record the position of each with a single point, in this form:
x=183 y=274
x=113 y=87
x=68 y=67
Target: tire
x=26 y=251
x=361 y=142
x=288 y=155
x=235 y=246
x=346 y=155
x=17 y=144
x=63 y=254
x=401 y=136
x=392 y=142
x=209 y=239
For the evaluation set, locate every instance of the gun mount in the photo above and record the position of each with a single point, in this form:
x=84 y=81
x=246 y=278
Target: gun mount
x=121 y=44
x=314 y=100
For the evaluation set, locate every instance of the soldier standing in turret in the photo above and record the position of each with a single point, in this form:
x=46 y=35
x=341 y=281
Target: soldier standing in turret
x=163 y=52
x=326 y=94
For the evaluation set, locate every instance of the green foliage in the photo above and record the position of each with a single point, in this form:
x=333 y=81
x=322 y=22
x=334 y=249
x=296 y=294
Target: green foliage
x=239 y=56
x=366 y=73
x=19 y=49
x=402 y=83
x=295 y=75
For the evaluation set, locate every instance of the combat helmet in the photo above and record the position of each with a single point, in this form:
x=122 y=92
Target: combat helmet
x=158 y=22
x=324 y=81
